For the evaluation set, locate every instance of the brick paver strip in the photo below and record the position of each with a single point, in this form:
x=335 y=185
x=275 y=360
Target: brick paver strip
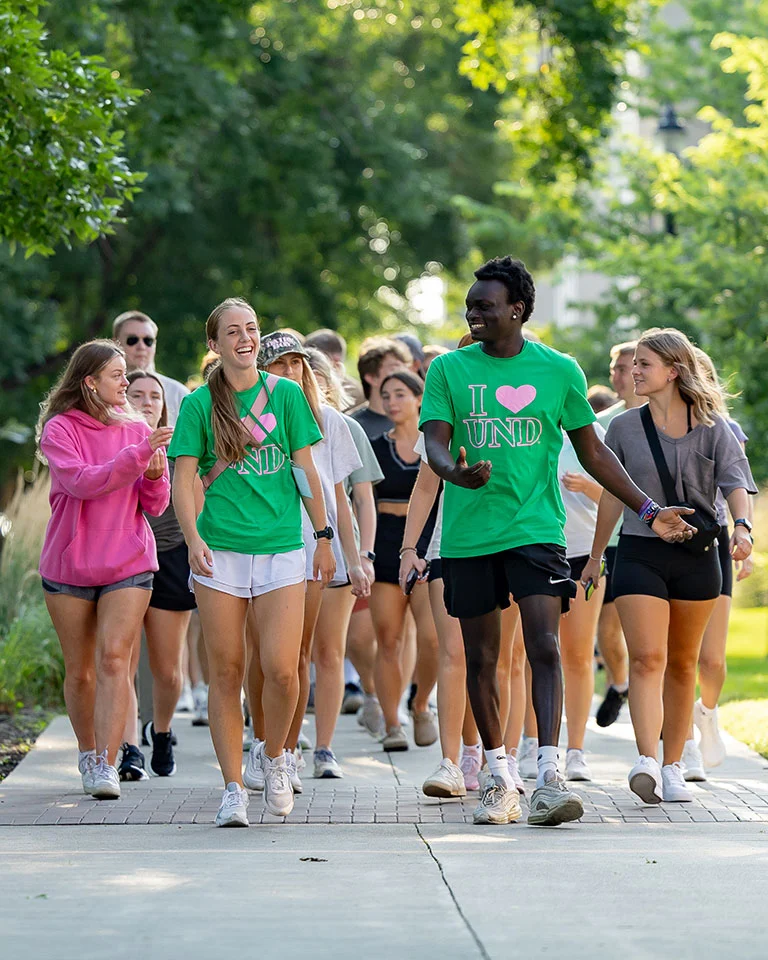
x=717 y=802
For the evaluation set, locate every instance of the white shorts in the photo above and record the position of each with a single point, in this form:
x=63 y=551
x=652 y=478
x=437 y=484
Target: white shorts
x=245 y=575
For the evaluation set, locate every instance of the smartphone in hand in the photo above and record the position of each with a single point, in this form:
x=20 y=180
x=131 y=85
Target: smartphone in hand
x=413 y=577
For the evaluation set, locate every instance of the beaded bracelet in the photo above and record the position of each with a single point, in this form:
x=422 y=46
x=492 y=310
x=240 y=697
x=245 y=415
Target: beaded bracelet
x=407 y=550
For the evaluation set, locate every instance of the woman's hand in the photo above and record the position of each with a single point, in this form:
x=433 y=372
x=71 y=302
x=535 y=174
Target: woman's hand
x=200 y=558
x=410 y=560
x=156 y=467
x=591 y=572
x=160 y=437
x=368 y=569
x=361 y=585
x=324 y=562
x=670 y=526
x=581 y=483
x=741 y=543
x=744 y=568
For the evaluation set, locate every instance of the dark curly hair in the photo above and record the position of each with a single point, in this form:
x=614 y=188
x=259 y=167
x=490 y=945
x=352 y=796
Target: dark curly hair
x=515 y=277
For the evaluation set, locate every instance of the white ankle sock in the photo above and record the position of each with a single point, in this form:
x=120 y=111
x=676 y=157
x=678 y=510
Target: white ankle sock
x=472 y=750
x=620 y=687
x=497 y=764
x=547 y=758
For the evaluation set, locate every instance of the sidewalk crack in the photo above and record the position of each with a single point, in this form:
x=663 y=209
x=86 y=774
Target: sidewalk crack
x=470 y=929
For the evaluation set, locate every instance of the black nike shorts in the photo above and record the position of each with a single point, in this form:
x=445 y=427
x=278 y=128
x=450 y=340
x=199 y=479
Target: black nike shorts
x=474 y=586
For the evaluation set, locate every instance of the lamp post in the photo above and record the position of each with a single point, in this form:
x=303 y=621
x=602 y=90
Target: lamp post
x=670 y=131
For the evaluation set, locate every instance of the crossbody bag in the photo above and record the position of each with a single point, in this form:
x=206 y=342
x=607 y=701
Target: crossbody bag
x=708 y=529
x=251 y=421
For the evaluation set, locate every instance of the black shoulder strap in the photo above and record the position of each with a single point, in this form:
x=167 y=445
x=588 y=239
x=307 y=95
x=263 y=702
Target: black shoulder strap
x=659 y=459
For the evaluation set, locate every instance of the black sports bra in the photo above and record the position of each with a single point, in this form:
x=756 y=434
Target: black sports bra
x=399 y=476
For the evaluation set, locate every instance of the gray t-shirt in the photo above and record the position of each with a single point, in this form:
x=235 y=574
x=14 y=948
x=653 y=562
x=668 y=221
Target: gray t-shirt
x=174 y=394
x=369 y=472
x=702 y=461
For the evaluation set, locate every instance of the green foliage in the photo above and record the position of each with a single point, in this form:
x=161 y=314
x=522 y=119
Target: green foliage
x=559 y=63
x=708 y=277
x=62 y=173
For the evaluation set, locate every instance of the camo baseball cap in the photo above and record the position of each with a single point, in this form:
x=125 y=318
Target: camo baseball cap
x=274 y=345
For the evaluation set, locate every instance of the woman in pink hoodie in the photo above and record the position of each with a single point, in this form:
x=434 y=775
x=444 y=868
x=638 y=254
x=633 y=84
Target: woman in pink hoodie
x=107 y=467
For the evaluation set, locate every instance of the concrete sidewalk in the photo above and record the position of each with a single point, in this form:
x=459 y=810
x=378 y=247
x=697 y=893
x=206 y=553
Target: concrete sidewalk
x=367 y=866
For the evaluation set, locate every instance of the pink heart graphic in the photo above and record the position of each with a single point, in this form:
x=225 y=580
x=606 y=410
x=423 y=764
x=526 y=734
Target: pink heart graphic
x=515 y=398
x=267 y=420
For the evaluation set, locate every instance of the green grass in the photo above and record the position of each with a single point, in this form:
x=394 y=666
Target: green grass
x=744 y=701
x=747 y=654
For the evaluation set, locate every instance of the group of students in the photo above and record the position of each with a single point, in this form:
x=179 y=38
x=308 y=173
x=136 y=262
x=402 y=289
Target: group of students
x=458 y=530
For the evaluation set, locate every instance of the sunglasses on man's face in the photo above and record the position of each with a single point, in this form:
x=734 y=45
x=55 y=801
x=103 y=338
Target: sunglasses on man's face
x=133 y=340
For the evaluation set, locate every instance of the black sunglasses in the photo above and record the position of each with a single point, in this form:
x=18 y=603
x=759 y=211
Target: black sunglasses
x=133 y=340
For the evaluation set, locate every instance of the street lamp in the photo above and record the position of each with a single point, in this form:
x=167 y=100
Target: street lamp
x=671 y=132
x=670 y=129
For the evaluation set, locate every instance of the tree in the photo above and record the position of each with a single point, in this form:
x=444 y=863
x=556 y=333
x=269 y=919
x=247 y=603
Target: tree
x=62 y=173
x=709 y=277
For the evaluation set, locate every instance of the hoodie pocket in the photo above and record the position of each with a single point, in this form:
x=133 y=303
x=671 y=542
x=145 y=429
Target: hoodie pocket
x=103 y=557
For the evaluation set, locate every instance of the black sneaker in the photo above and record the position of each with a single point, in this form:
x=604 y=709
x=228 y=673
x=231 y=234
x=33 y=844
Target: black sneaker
x=131 y=764
x=353 y=698
x=162 y=763
x=146 y=737
x=609 y=710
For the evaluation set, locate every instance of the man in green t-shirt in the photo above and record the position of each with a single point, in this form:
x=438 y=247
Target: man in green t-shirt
x=492 y=416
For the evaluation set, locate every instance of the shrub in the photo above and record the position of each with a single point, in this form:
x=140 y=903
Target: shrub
x=31 y=663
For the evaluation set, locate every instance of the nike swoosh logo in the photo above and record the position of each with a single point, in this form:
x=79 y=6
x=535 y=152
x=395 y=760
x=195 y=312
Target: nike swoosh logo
x=561 y=580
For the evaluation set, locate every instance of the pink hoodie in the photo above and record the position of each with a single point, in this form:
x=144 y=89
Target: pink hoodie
x=97 y=533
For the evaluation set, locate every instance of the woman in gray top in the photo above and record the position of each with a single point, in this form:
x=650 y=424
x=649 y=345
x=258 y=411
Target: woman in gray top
x=665 y=593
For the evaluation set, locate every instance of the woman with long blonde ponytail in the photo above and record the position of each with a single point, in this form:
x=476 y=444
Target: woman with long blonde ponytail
x=242 y=432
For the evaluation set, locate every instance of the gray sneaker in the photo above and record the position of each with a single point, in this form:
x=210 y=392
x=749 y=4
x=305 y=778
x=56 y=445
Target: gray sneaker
x=233 y=811
x=554 y=803
x=278 y=792
x=425 y=730
x=395 y=739
x=372 y=717
x=498 y=803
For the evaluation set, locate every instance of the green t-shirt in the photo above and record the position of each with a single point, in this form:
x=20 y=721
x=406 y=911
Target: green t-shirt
x=511 y=412
x=253 y=507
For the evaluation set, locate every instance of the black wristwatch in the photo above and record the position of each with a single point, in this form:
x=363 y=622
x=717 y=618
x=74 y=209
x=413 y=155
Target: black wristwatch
x=325 y=534
x=369 y=555
x=743 y=522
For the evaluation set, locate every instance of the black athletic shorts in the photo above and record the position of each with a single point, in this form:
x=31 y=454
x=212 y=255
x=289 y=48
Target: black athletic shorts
x=389 y=539
x=435 y=570
x=170 y=590
x=610 y=561
x=474 y=586
x=652 y=568
x=726 y=563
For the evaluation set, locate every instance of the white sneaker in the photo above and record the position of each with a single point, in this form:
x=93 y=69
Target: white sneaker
x=326 y=765
x=186 y=702
x=304 y=742
x=105 y=783
x=292 y=763
x=713 y=750
x=85 y=762
x=233 y=811
x=301 y=763
x=200 y=697
x=278 y=792
x=553 y=803
x=253 y=777
x=514 y=772
x=576 y=766
x=674 y=788
x=528 y=758
x=446 y=781
x=645 y=780
x=498 y=803
x=693 y=763
x=372 y=716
